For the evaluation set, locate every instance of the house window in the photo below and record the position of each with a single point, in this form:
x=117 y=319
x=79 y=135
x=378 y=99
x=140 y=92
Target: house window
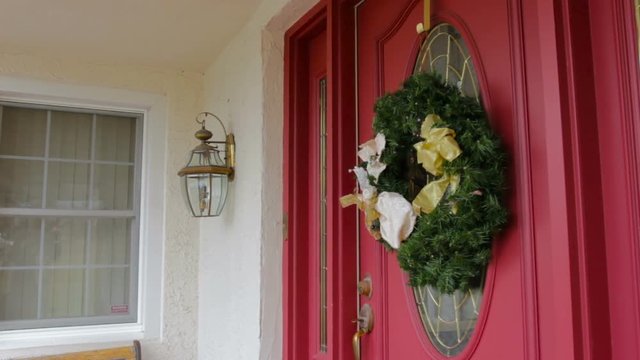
x=69 y=216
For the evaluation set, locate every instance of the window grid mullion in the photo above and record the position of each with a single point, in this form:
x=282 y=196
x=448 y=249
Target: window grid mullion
x=40 y=269
x=73 y=161
x=45 y=180
x=88 y=242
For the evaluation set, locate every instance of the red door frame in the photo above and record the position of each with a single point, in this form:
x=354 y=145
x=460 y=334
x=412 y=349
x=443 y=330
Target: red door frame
x=332 y=16
x=617 y=88
x=567 y=204
x=577 y=100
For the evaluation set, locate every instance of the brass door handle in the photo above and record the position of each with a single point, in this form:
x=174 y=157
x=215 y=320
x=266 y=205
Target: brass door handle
x=356 y=344
x=365 y=325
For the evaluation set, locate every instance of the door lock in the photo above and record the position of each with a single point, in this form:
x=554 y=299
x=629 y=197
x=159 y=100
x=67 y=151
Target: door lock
x=365 y=286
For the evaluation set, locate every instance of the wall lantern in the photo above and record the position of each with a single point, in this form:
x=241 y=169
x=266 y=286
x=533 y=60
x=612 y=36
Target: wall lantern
x=205 y=178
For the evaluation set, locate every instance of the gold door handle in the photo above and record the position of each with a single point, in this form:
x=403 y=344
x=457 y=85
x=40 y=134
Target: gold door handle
x=356 y=344
x=365 y=325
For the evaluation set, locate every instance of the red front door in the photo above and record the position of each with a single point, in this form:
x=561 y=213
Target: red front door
x=388 y=49
x=546 y=294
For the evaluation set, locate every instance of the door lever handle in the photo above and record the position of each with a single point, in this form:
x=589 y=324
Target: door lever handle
x=365 y=325
x=356 y=343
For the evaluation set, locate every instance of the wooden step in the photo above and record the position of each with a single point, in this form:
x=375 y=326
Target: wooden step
x=122 y=353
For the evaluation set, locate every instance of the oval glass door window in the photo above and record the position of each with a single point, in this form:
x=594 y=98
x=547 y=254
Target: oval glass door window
x=449 y=319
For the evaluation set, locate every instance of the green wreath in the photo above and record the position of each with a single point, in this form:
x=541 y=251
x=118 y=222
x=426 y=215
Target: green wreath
x=450 y=246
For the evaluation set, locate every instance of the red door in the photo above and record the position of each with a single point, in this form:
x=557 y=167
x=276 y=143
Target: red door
x=388 y=49
x=545 y=294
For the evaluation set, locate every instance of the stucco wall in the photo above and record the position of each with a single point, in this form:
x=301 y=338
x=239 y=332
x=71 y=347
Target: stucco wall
x=223 y=279
x=183 y=92
x=241 y=252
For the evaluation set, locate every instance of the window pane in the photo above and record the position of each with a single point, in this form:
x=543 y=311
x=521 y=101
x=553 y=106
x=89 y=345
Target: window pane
x=18 y=294
x=111 y=242
x=19 y=241
x=115 y=138
x=113 y=187
x=67 y=185
x=70 y=135
x=64 y=241
x=61 y=270
x=22 y=131
x=62 y=293
x=108 y=291
x=21 y=183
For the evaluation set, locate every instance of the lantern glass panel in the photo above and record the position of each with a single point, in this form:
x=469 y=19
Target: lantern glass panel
x=205 y=193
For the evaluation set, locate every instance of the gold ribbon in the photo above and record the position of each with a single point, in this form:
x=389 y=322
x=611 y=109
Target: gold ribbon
x=367 y=206
x=430 y=195
x=439 y=144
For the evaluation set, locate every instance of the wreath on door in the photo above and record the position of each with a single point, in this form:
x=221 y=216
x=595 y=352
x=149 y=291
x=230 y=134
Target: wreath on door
x=431 y=183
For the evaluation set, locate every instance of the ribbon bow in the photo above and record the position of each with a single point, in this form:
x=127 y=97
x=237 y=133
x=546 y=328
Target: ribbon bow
x=439 y=144
x=430 y=195
x=366 y=205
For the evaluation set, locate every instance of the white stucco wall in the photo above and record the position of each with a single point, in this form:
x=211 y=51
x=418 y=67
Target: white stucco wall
x=183 y=93
x=240 y=300
x=222 y=280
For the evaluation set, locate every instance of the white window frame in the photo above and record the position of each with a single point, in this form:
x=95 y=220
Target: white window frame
x=152 y=212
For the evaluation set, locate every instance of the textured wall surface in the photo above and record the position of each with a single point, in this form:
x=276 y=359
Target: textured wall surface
x=183 y=92
x=223 y=278
x=241 y=264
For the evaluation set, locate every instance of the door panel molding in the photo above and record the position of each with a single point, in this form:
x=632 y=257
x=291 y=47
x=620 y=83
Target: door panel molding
x=616 y=83
x=523 y=179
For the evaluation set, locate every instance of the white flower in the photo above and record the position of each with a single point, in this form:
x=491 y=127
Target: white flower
x=368 y=191
x=370 y=152
x=397 y=218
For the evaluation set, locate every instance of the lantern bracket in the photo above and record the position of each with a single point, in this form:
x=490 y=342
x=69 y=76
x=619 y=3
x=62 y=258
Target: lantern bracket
x=229 y=143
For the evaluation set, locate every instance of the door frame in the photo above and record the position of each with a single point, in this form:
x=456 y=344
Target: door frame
x=617 y=93
x=334 y=17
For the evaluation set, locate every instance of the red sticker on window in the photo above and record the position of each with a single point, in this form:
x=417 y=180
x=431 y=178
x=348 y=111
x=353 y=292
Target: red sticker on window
x=119 y=309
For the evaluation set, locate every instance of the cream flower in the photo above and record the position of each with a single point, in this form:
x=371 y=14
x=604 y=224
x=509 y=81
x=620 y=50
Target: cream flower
x=397 y=218
x=370 y=152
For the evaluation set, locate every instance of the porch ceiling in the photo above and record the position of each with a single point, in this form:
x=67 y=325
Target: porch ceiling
x=179 y=33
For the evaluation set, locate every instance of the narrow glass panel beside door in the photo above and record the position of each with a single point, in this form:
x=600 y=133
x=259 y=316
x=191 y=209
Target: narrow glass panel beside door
x=323 y=215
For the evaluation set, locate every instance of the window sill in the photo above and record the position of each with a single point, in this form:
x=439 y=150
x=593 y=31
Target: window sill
x=20 y=343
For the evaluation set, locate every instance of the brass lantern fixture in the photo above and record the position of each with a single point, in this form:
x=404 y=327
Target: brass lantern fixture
x=206 y=177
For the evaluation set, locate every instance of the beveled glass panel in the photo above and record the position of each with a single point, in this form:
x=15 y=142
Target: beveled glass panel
x=22 y=131
x=21 y=183
x=444 y=52
x=67 y=185
x=70 y=136
x=18 y=294
x=115 y=138
x=111 y=242
x=64 y=241
x=449 y=319
x=112 y=187
x=62 y=293
x=19 y=241
x=323 y=270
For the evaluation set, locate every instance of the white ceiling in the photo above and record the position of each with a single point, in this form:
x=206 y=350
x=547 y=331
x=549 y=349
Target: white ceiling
x=186 y=34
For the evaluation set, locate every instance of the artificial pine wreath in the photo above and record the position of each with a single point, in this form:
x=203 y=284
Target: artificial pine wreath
x=436 y=150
